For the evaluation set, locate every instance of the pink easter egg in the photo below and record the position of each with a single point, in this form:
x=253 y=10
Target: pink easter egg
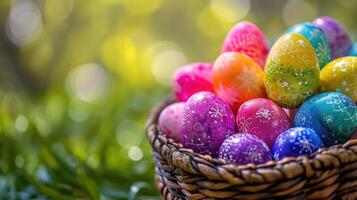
x=263 y=118
x=192 y=78
x=247 y=38
x=291 y=114
x=169 y=121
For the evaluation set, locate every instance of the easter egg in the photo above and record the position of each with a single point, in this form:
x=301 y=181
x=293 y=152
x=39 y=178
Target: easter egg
x=247 y=38
x=206 y=122
x=332 y=115
x=263 y=118
x=190 y=79
x=317 y=39
x=243 y=148
x=354 y=135
x=291 y=72
x=340 y=75
x=338 y=39
x=353 y=51
x=291 y=114
x=237 y=78
x=170 y=119
x=295 y=142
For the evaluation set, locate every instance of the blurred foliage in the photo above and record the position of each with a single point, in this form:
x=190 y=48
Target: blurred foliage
x=78 y=78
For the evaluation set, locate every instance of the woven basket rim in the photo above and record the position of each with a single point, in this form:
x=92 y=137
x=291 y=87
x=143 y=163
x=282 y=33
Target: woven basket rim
x=290 y=163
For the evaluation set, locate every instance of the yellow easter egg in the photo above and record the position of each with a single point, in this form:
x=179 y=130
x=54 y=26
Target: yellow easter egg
x=340 y=75
x=291 y=71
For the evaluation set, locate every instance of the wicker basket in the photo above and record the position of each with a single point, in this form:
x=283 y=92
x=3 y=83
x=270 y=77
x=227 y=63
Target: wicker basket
x=330 y=173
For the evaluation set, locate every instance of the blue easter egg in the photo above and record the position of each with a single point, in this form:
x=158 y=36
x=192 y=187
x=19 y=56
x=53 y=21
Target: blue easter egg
x=295 y=142
x=317 y=39
x=332 y=115
x=353 y=51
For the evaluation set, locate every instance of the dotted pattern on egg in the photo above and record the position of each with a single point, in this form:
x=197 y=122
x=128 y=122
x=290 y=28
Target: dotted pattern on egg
x=340 y=75
x=292 y=71
x=294 y=142
x=206 y=122
x=332 y=115
x=243 y=149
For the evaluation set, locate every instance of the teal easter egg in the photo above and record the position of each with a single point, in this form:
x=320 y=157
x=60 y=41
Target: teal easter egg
x=332 y=115
x=353 y=51
x=317 y=39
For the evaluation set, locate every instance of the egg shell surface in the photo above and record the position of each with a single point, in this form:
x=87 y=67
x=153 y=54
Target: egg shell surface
x=237 y=78
x=292 y=71
x=332 y=115
x=263 y=118
x=245 y=37
x=340 y=75
x=192 y=78
x=243 y=148
x=206 y=122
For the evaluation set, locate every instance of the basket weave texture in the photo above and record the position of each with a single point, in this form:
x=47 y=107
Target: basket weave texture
x=330 y=173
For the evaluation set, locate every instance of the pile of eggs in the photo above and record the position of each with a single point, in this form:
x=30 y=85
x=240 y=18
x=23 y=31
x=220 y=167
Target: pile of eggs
x=257 y=104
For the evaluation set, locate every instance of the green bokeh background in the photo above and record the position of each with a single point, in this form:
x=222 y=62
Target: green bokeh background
x=79 y=77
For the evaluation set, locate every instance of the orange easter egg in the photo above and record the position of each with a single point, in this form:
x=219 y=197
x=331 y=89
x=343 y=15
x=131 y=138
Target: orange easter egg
x=237 y=78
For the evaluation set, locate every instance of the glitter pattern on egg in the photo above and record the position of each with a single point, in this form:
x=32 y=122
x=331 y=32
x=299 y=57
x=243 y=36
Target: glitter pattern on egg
x=243 y=148
x=206 y=122
x=170 y=120
x=247 y=38
x=237 y=78
x=263 y=118
x=317 y=39
x=340 y=75
x=332 y=115
x=192 y=78
x=295 y=142
x=292 y=71
x=338 y=39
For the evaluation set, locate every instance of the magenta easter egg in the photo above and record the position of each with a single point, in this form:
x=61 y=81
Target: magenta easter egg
x=170 y=120
x=263 y=118
x=192 y=78
x=206 y=122
x=291 y=114
x=247 y=38
x=243 y=148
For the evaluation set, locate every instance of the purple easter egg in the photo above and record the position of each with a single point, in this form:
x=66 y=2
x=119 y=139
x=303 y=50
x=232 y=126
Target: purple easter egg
x=169 y=121
x=206 y=122
x=243 y=148
x=339 y=41
x=192 y=78
x=263 y=118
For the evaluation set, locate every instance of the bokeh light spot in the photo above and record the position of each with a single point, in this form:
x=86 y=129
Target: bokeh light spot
x=297 y=11
x=210 y=24
x=89 y=81
x=135 y=153
x=24 y=23
x=165 y=63
x=21 y=123
x=230 y=10
x=19 y=161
